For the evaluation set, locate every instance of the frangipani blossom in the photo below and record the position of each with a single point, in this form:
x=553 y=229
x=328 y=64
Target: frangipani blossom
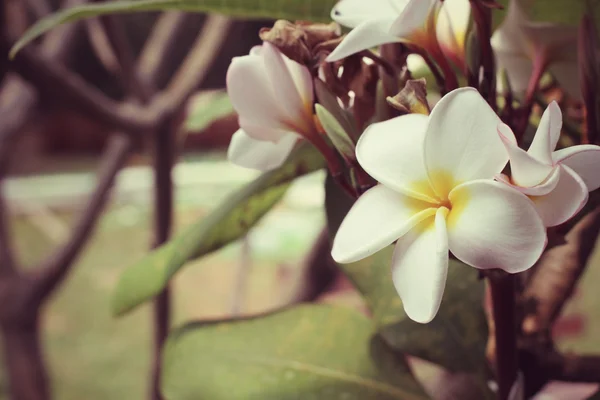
x=436 y=193
x=273 y=96
x=451 y=29
x=377 y=22
x=557 y=181
x=523 y=48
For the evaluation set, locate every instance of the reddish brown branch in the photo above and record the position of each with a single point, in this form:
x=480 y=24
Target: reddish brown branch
x=557 y=274
x=52 y=272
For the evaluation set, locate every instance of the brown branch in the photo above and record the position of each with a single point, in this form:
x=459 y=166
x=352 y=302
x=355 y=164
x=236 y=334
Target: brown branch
x=557 y=274
x=101 y=45
x=160 y=45
x=164 y=146
x=555 y=366
x=121 y=48
x=52 y=272
x=196 y=65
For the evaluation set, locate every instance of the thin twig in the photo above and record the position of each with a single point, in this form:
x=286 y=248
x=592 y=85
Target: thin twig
x=101 y=45
x=158 y=49
x=502 y=287
x=196 y=65
x=52 y=272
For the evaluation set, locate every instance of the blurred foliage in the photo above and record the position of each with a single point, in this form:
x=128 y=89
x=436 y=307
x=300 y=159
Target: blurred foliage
x=230 y=221
x=311 y=351
x=565 y=12
x=205 y=108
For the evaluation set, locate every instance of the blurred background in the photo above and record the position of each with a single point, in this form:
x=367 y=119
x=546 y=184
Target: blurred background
x=50 y=154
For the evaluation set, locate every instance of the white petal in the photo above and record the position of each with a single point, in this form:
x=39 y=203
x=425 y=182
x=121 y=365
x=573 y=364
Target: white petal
x=369 y=34
x=493 y=226
x=248 y=152
x=566 y=200
x=461 y=140
x=392 y=153
x=260 y=131
x=547 y=134
x=376 y=220
x=251 y=93
x=352 y=13
x=555 y=390
x=284 y=86
x=452 y=25
x=518 y=68
x=526 y=170
x=413 y=17
x=420 y=267
x=539 y=190
x=584 y=160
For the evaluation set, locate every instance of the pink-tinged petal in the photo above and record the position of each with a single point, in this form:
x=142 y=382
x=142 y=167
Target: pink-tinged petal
x=248 y=152
x=283 y=85
x=518 y=69
x=461 y=140
x=367 y=35
x=451 y=29
x=491 y=225
x=262 y=132
x=526 y=170
x=376 y=220
x=420 y=267
x=303 y=81
x=539 y=190
x=555 y=390
x=566 y=200
x=392 y=153
x=352 y=13
x=547 y=134
x=584 y=160
x=251 y=93
x=412 y=18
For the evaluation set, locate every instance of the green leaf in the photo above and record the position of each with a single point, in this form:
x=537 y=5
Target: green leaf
x=455 y=339
x=336 y=133
x=228 y=222
x=205 y=108
x=308 y=352
x=309 y=10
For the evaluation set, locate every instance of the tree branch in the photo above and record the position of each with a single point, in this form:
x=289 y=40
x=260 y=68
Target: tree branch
x=52 y=272
x=557 y=274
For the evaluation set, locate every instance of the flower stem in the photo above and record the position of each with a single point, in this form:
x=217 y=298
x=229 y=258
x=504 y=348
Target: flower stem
x=502 y=286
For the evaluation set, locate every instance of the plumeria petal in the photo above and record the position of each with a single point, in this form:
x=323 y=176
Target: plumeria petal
x=260 y=131
x=566 y=200
x=461 y=141
x=539 y=190
x=251 y=93
x=420 y=267
x=413 y=17
x=376 y=220
x=518 y=69
x=555 y=390
x=263 y=155
x=392 y=152
x=369 y=34
x=547 y=134
x=584 y=160
x=451 y=29
x=526 y=170
x=493 y=226
x=352 y=13
x=283 y=84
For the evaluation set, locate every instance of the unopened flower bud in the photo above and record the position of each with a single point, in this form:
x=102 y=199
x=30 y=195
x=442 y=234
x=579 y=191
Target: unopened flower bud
x=336 y=133
x=412 y=99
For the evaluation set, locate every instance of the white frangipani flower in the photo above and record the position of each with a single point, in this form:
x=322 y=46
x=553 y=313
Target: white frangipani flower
x=557 y=181
x=451 y=29
x=273 y=96
x=436 y=193
x=377 y=22
x=524 y=48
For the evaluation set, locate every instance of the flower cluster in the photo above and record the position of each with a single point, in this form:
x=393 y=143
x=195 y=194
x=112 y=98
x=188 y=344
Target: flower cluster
x=442 y=182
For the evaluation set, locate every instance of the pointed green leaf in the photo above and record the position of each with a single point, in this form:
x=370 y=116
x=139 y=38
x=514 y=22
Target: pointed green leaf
x=336 y=133
x=242 y=210
x=315 y=352
x=455 y=339
x=309 y=10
